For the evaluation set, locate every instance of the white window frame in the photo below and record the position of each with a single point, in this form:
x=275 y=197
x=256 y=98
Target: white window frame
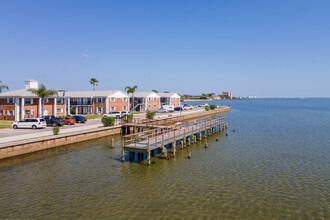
x=124 y=107
x=99 y=112
x=28 y=110
x=59 y=101
x=149 y=99
x=154 y=106
x=149 y=106
x=112 y=99
x=31 y=103
x=125 y=99
x=8 y=102
x=46 y=100
x=2 y=112
x=97 y=100
x=155 y=98
x=112 y=108
x=10 y=112
x=61 y=110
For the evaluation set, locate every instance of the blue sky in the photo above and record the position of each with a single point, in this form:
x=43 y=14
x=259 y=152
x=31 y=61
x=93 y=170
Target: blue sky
x=274 y=48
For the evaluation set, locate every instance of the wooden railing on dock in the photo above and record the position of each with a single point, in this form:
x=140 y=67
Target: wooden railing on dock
x=155 y=138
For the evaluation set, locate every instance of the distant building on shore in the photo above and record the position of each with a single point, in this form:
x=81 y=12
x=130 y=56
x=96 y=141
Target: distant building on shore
x=230 y=94
x=215 y=97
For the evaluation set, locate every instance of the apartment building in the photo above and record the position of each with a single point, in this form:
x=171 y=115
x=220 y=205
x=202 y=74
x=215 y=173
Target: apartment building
x=170 y=99
x=19 y=104
x=144 y=101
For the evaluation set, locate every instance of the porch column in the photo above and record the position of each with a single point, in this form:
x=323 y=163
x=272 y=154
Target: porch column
x=39 y=108
x=106 y=105
x=22 y=108
x=145 y=104
x=76 y=110
x=69 y=106
x=16 y=109
x=55 y=106
x=64 y=100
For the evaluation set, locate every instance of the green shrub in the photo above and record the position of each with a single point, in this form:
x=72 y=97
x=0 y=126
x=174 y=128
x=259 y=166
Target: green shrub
x=212 y=107
x=150 y=115
x=73 y=110
x=108 y=121
x=207 y=108
x=56 y=130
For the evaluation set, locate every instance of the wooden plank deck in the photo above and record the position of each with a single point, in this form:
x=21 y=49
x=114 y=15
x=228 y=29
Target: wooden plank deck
x=147 y=141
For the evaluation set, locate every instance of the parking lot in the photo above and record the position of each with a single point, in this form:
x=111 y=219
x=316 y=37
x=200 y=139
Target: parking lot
x=8 y=134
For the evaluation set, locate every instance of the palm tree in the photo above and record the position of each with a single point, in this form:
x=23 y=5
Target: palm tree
x=43 y=93
x=154 y=90
x=94 y=82
x=3 y=87
x=131 y=90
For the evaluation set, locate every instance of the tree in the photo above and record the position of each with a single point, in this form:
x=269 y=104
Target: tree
x=154 y=90
x=166 y=92
x=94 y=82
x=210 y=94
x=131 y=90
x=3 y=87
x=43 y=93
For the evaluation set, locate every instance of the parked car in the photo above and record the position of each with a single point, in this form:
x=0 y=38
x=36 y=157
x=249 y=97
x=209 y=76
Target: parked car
x=114 y=114
x=79 y=118
x=187 y=107
x=169 y=108
x=203 y=105
x=69 y=121
x=33 y=123
x=161 y=110
x=117 y=114
x=53 y=121
x=178 y=109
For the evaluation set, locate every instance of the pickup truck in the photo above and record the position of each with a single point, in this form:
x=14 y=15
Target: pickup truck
x=53 y=121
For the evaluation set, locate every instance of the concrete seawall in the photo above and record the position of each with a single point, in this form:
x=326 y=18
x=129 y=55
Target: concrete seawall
x=37 y=144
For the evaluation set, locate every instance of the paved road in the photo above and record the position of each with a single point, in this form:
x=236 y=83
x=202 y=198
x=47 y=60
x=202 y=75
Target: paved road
x=8 y=134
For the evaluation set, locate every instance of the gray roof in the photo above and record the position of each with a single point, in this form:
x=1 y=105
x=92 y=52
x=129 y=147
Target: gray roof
x=141 y=94
x=73 y=94
x=169 y=94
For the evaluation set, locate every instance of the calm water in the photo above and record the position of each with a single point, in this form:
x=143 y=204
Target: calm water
x=275 y=166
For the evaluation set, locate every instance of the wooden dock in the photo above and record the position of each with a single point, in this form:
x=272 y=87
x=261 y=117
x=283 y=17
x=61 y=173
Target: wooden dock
x=169 y=136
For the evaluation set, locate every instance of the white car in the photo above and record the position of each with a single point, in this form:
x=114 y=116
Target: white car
x=115 y=114
x=33 y=123
x=203 y=105
x=187 y=107
x=161 y=110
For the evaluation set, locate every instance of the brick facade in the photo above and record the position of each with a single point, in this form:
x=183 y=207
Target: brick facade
x=176 y=102
x=153 y=104
x=4 y=108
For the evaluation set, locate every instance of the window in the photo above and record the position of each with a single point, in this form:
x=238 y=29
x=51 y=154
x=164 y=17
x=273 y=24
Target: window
x=59 y=101
x=124 y=108
x=155 y=99
x=112 y=99
x=10 y=100
x=2 y=112
x=149 y=106
x=10 y=112
x=112 y=108
x=99 y=100
x=154 y=106
x=28 y=112
x=46 y=100
x=149 y=99
x=28 y=101
x=99 y=110
x=59 y=110
x=125 y=99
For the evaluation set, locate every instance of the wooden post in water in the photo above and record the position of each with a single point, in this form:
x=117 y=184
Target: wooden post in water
x=174 y=148
x=148 y=158
x=181 y=142
x=122 y=155
x=188 y=141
